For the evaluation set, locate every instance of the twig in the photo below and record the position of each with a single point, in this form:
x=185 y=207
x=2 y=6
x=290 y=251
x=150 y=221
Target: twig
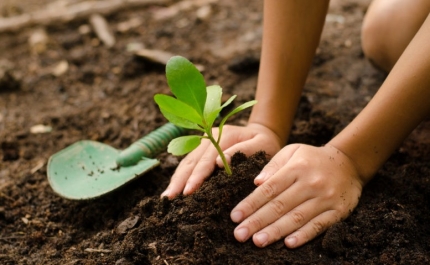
x=7 y=238
x=39 y=165
x=184 y=5
x=91 y=250
x=101 y=28
x=71 y=12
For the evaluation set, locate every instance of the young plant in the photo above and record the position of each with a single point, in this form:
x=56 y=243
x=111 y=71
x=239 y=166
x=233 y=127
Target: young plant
x=195 y=107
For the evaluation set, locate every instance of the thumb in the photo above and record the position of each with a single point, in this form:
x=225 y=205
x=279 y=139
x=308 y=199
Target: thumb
x=278 y=161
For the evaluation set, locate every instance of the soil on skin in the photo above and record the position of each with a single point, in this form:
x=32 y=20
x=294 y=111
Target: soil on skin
x=106 y=95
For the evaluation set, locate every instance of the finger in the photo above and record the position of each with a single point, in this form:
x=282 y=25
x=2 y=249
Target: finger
x=278 y=161
x=280 y=180
x=245 y=147
x=275 y=209
x=268 y=191
x=229 y=145
x=184 y=171
x=202 y=170
x=312 y=229
x=290 y=222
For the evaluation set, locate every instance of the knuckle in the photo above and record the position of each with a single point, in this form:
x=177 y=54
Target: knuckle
x=277 y=206
x=255 y=223
x=311 y=230
x=298 y=217
x=317 y=182
x=304 y=235
x=337 y=218
x=206 y=159
x=342 y=210
x=318 y=227
x=268 y=190
x=188 y=162
x=331 y=194
x=277 y=232
x=300 y=163
x=215 y=131
x=272 y=166
x=250 y=206
x=226 y=129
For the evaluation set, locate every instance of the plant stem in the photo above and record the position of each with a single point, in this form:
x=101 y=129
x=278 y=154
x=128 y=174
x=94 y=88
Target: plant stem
x=221 y=154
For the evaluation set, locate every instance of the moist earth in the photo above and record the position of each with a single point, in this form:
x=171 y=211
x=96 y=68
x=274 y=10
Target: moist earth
x=71 y=86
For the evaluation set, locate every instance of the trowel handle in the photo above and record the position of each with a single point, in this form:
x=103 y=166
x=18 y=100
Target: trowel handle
x=149 y=145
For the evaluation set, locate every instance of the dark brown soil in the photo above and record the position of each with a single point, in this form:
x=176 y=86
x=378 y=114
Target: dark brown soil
x=107 y=95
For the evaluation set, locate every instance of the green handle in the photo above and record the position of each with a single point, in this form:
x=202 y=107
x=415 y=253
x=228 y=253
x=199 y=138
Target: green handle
x=149 y=145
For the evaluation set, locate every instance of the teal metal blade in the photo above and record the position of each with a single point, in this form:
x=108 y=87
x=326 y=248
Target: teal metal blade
x=88 y=169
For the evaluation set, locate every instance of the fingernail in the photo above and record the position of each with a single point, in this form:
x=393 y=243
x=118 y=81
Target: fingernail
x=291 y=241
x=261 y=176
x=165 y=194
x=262 y=239
x=187 y=189
x=227 y=158
x=241 y=234
x=219 y=162
x=236 y=216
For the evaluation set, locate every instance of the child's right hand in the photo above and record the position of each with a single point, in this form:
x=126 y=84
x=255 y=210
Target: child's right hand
x=200 y=163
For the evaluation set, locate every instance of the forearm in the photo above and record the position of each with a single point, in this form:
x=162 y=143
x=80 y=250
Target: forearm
x=291 y=35
x=401 y=103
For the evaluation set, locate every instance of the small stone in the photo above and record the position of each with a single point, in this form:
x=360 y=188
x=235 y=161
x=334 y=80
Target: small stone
x=84 y=29
x=335 y=18
x=40 y=128
x=38 y=41
x=204 y=12
x=25 y=220
x=127 y=224
x=61 y=68
x=135 y=46
x=348 y=43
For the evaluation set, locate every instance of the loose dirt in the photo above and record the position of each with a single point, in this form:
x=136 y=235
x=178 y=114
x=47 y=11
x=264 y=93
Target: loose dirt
x=106 y=94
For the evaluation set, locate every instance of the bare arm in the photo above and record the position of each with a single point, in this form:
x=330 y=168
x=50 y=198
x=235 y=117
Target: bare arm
x=401 y=103
x=305 y=189
x=291 y=35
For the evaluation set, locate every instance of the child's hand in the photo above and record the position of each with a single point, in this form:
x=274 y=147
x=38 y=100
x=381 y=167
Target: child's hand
x=302 y=191
x=200 y=163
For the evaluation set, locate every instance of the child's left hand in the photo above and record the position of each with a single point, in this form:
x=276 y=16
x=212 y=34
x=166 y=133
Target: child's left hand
x=302 y=191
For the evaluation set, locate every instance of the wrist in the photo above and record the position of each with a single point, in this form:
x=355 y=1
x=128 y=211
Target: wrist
x=365 y=171
x=271 y=120
x=268 y=131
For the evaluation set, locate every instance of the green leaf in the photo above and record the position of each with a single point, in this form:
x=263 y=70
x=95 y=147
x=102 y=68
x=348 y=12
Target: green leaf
x=181 y=122
x=236 y=110
x=184 y=144
x=230 y=100
x=180 y=109
x=213 y=104
x=186 y=83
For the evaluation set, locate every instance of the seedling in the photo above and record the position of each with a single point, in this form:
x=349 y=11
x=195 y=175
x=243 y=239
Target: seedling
x=194 y=106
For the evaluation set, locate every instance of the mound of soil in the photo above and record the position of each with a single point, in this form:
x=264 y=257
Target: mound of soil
x=106 y=94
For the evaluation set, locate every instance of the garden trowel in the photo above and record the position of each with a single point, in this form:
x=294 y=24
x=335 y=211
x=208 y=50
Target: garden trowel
x=88 y=169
